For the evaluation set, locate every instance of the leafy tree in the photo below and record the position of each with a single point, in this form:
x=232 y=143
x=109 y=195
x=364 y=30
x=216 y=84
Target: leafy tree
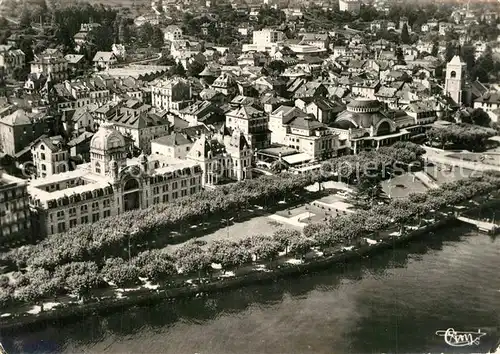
x=194 y=68
x=120 y=272
x=400 y=56
x=79 y=278
x=450 y=51
x=264 y=247
x=285 y=237
x=177 y=70
x=26 y=46
x=191 y=258
x=25 y=18
x=469 y=137
x=145 y=33
x=368 y=13
x=468 y=54
x=156 y=38
x=435 y=49
x=229 y=254
x=405 y=36
x=6 y=297
x=277 y=67
x=41 y=285
x=155 y=265
x=368 y=192
x=480 y=117
x=124 y=32
x=300 y=246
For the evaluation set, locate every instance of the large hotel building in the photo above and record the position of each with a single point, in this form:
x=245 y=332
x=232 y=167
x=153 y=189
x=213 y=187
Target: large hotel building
x=110 y=184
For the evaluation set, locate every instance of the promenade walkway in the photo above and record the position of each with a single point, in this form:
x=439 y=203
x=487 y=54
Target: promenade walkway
x=483 y=226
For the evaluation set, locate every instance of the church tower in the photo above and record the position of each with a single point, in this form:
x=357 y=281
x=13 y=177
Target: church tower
x=455 y=79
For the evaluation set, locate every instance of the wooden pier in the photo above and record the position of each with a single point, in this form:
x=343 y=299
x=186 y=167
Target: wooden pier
x=482 y=226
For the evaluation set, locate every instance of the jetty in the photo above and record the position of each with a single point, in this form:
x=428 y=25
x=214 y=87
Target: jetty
x=482 y=226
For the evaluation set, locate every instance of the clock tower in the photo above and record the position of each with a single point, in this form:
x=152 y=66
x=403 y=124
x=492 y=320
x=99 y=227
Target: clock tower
x=455 y=79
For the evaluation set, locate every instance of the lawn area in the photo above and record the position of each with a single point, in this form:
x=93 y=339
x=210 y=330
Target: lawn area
x=260 y=225
x=401 y=186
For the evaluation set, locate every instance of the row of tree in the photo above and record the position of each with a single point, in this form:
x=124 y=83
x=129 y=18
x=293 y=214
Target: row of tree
x=81 y=277
x=468 y=136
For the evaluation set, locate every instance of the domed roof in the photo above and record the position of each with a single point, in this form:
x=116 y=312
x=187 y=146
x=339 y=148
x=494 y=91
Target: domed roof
x=359 y=117
x=107 y=138
x=364 y=103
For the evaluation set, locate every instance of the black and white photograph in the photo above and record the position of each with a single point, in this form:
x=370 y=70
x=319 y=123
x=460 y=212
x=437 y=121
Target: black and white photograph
x=249 y=176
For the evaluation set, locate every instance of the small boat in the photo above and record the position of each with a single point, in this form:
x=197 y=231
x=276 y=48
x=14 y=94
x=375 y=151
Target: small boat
x=2 y=349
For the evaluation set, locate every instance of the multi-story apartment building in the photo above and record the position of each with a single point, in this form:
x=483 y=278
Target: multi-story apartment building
x=266 y=40
x=136 y=120
x=51 y=63
x=294 y=128
x=223 y=158
x=171 y=94
x=11 y=59
x=350 y=5
x=176 y=145
x=109 y=185
x=253 y=123
x=81 y=93
x=50 y=156
x=15 y=216
x=19 y=129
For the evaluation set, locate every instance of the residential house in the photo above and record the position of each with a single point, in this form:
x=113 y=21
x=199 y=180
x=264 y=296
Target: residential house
x=324 y=110
x=350 y=5
x=319 y=40
x=171 y=94
x=11 y=59
x=172 y=33
x=50 y=156
x=19 y=129
x=136 y=120
x=76 y=63
x=488 y=102
x=104 y=60
x=176 y=145
x=51 y=63
x=223 y=158
x=253 y=123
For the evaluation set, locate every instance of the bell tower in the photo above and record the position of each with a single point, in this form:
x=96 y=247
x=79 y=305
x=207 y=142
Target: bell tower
x=455 y=79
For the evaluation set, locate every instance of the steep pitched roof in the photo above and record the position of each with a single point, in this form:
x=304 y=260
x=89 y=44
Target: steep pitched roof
x=103 y=56
x=19 y=117
x=174 y=139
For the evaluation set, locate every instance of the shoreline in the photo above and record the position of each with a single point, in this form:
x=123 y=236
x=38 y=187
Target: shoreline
x=154 y=296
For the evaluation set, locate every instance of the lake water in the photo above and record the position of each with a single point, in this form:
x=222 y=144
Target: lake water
x=394 y=302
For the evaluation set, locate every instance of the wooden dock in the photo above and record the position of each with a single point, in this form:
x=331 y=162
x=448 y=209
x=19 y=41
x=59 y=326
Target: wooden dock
x=482 y=226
